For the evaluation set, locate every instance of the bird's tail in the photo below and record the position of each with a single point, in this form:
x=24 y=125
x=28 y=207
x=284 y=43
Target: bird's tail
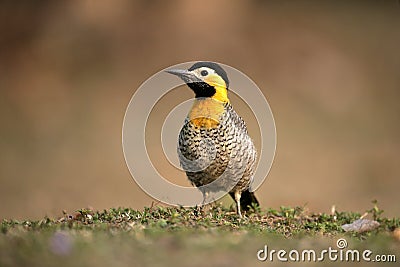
x=247 y=200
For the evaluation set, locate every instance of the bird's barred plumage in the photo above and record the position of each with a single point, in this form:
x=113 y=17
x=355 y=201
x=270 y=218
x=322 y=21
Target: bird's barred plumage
x=224 y=151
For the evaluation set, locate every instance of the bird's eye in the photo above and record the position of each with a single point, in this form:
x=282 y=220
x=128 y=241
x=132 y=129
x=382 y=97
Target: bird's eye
x=204 y=73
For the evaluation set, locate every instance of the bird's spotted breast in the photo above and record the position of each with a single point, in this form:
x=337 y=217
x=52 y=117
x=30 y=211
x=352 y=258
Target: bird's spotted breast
x=230 y=145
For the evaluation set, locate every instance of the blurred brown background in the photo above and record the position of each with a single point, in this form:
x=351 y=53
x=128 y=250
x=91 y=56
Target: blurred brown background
x=69 y=68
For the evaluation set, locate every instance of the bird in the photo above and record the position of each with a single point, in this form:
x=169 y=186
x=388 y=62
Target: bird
x=214 y=142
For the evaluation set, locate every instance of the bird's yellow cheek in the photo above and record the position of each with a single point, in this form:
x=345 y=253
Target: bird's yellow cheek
x=215 y=80
x=219 y=84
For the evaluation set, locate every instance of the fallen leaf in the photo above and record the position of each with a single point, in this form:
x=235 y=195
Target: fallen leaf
x=361 y=225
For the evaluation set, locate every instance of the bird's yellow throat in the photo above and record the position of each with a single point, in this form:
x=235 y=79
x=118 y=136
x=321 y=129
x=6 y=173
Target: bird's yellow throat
x=205 y=112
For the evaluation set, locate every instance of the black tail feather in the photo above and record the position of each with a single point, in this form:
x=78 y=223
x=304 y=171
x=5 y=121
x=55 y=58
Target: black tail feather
x=246 y=200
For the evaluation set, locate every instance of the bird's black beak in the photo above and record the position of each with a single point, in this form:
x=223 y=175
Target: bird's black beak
x=185 y=75
x=179 y=73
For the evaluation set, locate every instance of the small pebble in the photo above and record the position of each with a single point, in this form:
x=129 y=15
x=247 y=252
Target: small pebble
x=396 y=233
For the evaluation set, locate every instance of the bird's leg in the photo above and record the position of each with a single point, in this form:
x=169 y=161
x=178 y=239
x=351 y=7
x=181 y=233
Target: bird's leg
x=203 y=207
x=238 y=194
x=205 y=196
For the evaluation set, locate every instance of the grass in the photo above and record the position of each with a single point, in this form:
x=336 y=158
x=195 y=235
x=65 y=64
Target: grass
x=168 y=236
